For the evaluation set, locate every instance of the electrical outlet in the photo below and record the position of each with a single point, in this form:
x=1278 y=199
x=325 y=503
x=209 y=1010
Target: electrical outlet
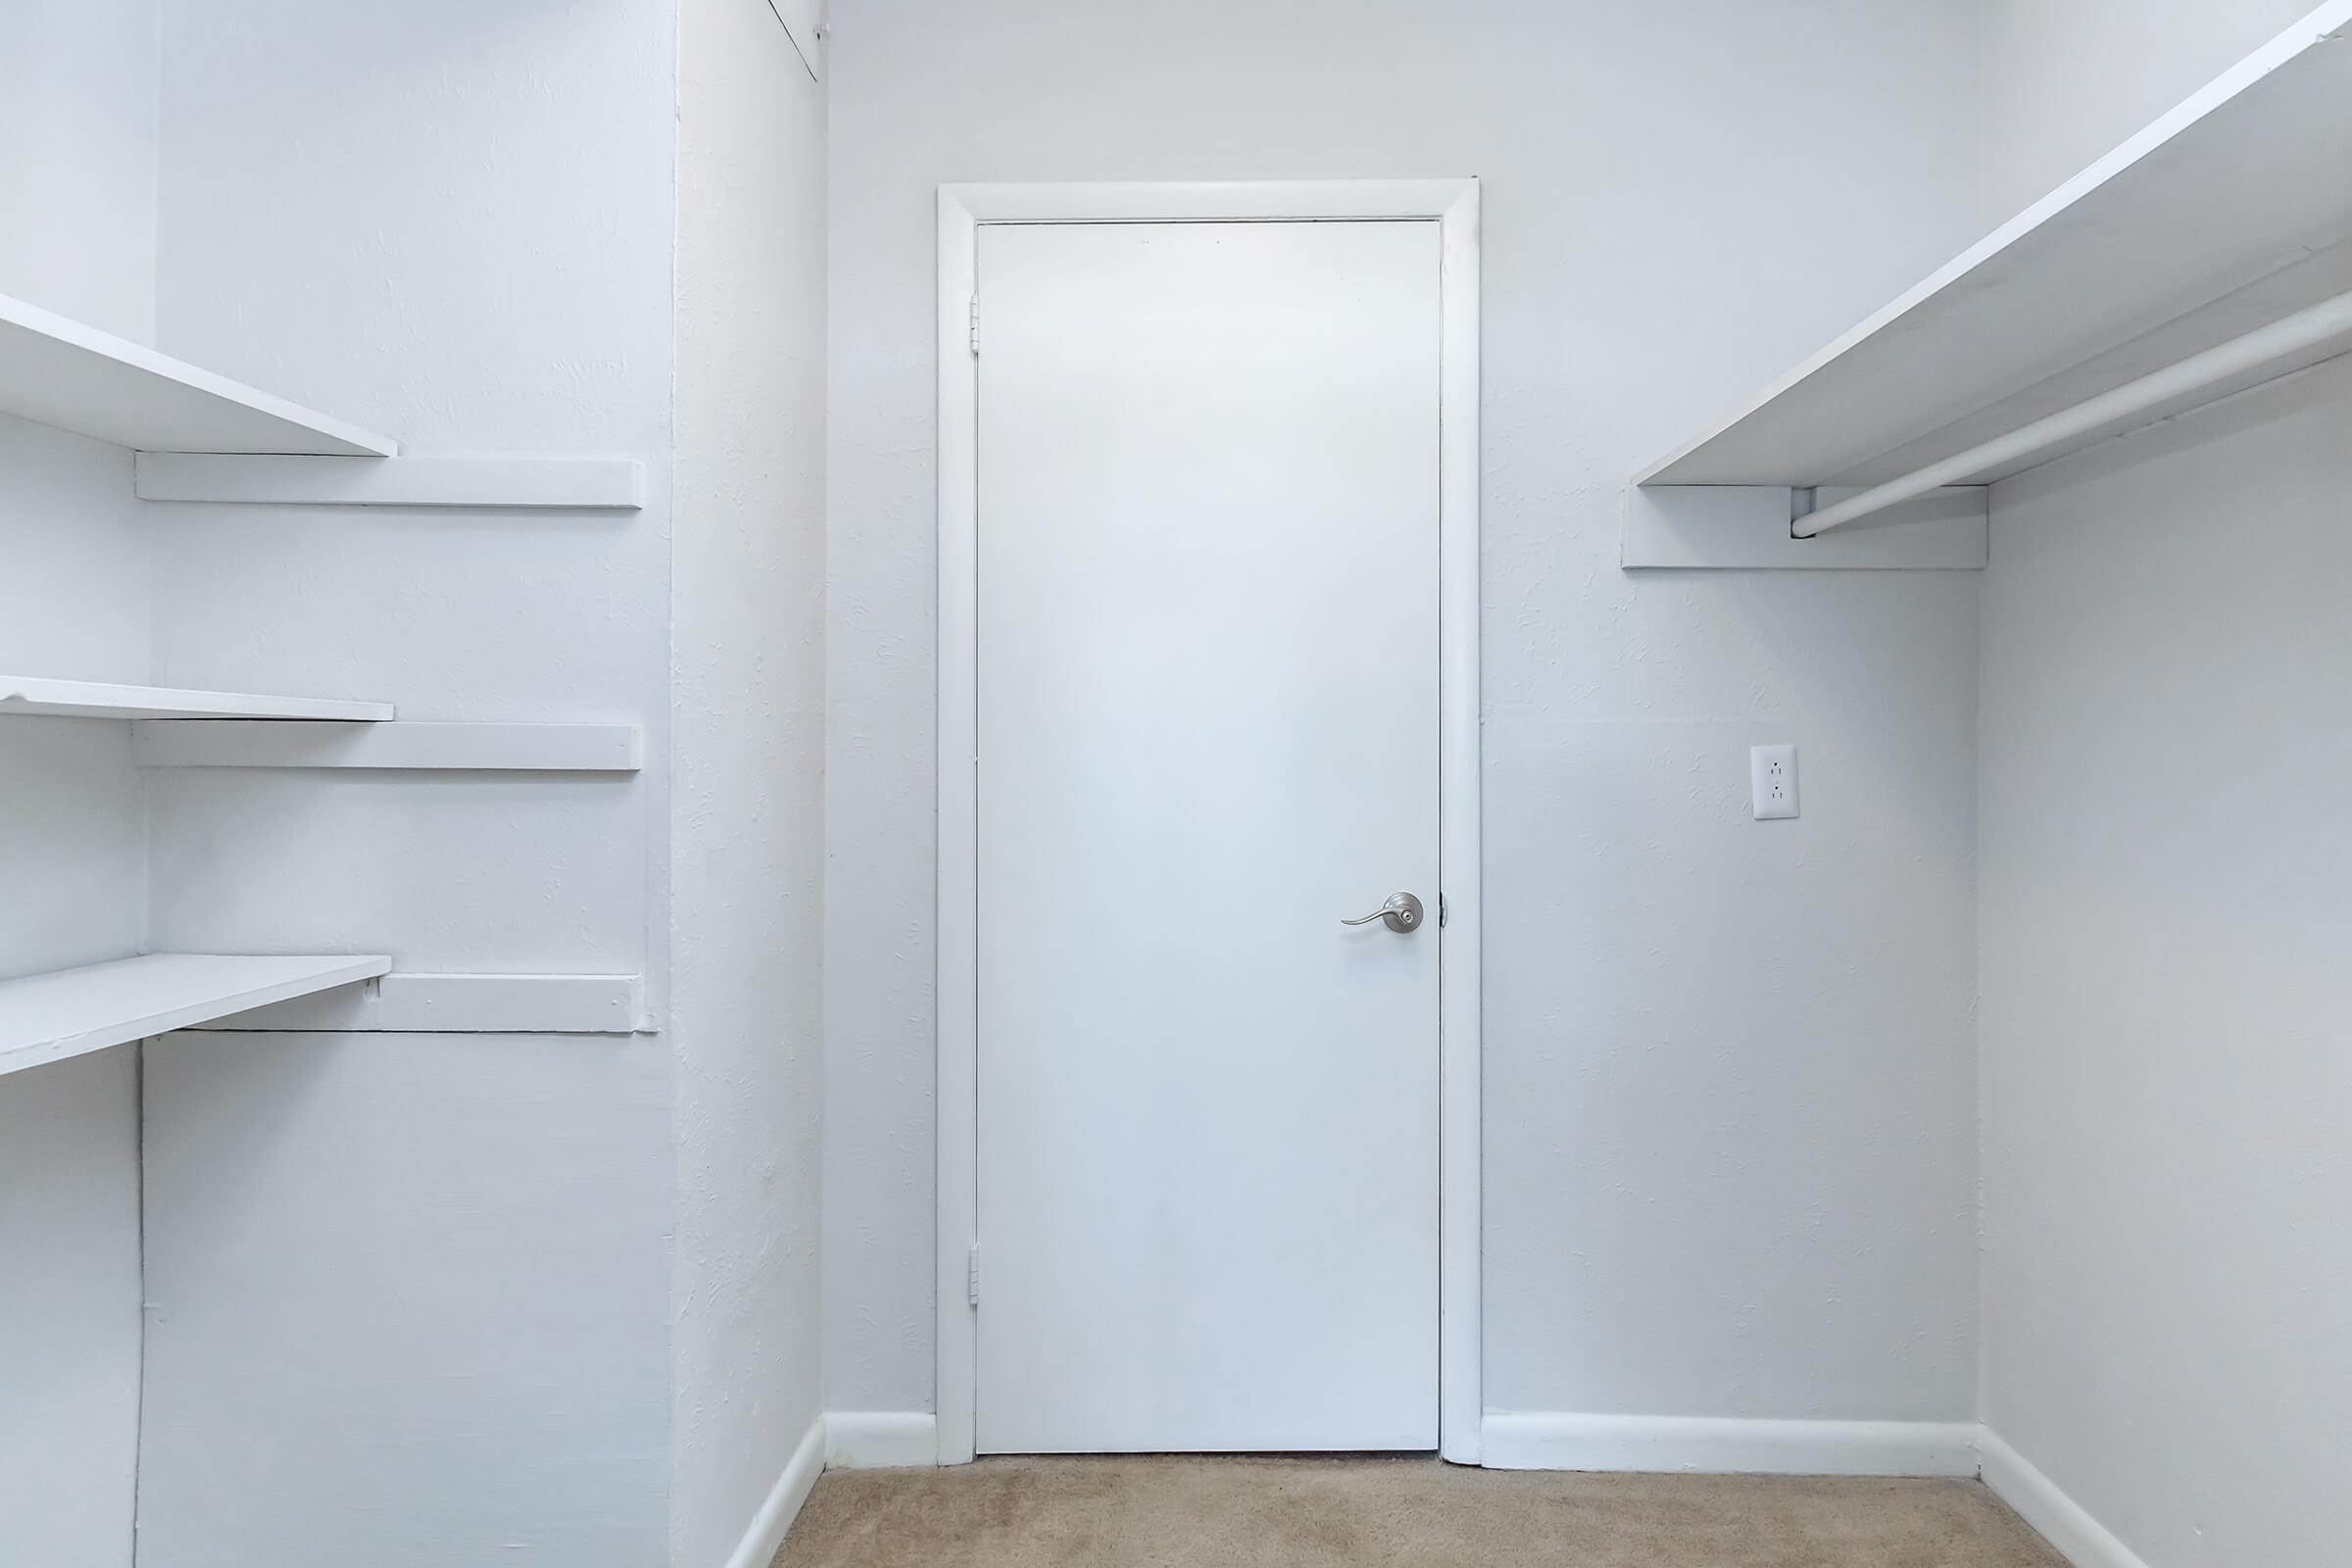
x=1772 y=781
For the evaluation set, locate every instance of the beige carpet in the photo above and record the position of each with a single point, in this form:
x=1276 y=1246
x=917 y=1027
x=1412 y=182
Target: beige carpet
x=1370 y=1513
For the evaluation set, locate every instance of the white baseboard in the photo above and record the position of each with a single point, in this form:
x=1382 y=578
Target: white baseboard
x=2082 y=1539
x=760 y=1542
x=1723 y=1445
x=881 y=1440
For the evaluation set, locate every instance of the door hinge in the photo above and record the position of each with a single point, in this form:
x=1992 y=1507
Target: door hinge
x=971 y=1277
x=1440 y=911
x=975 y=323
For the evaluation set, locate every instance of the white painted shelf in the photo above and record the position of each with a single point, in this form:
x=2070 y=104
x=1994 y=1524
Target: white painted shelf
x=462 y=1004
x=48 y=1017
x=463 y=748
x=2230 y=212
x=53 y=370
x=90 y=699
x=489 y=483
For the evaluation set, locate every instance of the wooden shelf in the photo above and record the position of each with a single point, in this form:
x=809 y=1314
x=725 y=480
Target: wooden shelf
x=90 y=699
x=59 y=372
x=48 y=1017
x=2230 y=213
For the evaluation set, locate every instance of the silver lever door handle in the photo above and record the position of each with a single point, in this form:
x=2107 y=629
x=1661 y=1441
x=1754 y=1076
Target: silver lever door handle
x=1401 y=914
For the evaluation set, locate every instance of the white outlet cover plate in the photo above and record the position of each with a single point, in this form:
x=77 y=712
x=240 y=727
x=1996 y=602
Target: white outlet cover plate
x=1772 y=781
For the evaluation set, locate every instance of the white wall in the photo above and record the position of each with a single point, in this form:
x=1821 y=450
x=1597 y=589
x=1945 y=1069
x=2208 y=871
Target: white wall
x=69 y=1312
x=77 y=156
x=73 y=602
x=78 y=88
x=2070 y=80
x=748 y=593
x=408 y=1301
x=2167 y=750
x=2167 y=747
x=454 y=222
x=1729 y=1129
x=467 y=245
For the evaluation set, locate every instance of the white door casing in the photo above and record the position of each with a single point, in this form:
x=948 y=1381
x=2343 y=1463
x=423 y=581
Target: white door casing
x=1109 y=1275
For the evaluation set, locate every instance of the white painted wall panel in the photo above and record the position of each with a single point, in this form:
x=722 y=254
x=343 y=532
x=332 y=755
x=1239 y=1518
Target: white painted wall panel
x=418 y=1286
x=78 y=88
x=408 y=1301
x=74 y=602
x=2167 y=743
x=1776 y=1075
x=77 y=160
x=481 y=872
x=73 y=845
x=498 y=278
x=2167 y=746
x=748 y=598
x=1697 y=1191
x=2070 y=80
x=69 y=1312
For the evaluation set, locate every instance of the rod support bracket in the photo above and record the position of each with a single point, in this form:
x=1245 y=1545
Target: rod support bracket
x=1750 y=528
x=1802 y=499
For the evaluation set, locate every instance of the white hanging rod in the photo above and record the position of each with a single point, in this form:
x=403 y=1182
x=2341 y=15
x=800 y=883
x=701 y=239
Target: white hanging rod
x=2281 y=339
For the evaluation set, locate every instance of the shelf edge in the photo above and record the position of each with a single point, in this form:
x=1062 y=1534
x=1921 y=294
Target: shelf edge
x=487 y=483
x=45 y=697
x=82 y=338
x=397 y=745
x=462 y=1004
x=340 y=971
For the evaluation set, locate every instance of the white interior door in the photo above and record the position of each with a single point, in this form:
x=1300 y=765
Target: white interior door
x=1208 y=731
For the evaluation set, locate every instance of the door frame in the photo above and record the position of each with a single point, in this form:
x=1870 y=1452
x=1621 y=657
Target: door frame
x=1453 y=204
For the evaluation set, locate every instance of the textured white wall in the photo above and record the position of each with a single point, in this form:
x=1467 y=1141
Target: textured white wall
x=69 y=1311
x=748 y=598
x=466 y=244
x=452 y=221
x=1730 y=1065
x=2167 y=750
x=78 y=86
x=408 y=1301
x=78 y=157
x=2069 y=79
x=74 y=601
x=2166 y=746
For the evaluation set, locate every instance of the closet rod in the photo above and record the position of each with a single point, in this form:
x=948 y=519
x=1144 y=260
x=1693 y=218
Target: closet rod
x=2281 y=340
